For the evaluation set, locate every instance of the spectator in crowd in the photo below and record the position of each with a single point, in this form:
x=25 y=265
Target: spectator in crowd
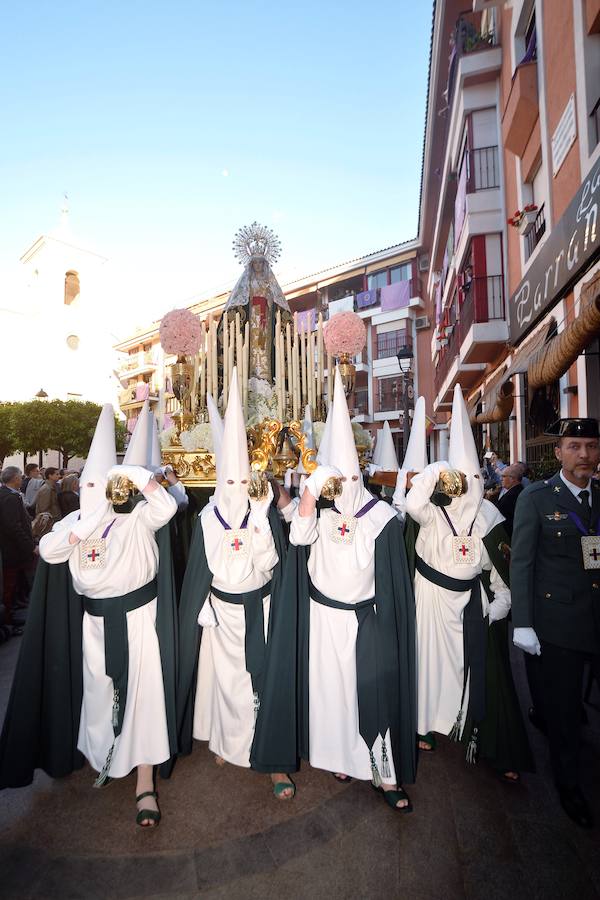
x=16 y=540
x=47 y=498
x=512 y=486
x=68 y=498
x=32 y=472
x=34 y=484
x=527 y=474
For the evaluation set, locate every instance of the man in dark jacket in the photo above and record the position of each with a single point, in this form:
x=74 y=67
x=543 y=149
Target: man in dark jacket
x=16 y=540
x=555 y=585
x=511 y=488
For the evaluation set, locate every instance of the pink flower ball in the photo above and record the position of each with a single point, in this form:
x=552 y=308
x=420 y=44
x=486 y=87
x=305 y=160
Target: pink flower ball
x=345 y=332
x=180 y=333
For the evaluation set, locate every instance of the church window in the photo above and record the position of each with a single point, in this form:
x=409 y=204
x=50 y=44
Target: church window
x=71 y=287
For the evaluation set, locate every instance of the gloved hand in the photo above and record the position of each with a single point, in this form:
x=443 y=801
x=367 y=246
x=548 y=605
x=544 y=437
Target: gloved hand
x=314 y=483
x=85 y=527
x=138 y=475
x=499 y=609
x=372 y=468
x=259 y=509
x=399 y=496
x=526 y=639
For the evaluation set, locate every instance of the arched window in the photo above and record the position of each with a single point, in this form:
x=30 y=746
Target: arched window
x=71 y=287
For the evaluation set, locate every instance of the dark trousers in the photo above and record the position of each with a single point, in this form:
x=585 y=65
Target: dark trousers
x=10 y=584
x=559 y=682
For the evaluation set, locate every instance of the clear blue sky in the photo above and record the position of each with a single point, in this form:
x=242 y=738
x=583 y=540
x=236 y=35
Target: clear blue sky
x=137 y=109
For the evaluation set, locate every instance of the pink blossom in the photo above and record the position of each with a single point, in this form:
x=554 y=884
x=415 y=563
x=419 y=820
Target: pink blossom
x=180 y=332
x=345 y=333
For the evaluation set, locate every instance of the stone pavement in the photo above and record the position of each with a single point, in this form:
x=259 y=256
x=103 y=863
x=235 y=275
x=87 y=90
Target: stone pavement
x=224 y=835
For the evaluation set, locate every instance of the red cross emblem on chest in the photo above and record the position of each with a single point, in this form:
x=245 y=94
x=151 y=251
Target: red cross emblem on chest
x=94 y=555
x=236 y=544
x=594 y=554
x=344 y=530
x=464 y=550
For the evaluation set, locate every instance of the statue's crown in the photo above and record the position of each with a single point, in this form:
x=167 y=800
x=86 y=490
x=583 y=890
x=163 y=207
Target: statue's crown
x=253 y=241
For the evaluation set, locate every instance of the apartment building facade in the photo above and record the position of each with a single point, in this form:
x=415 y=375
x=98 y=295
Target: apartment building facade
x=511 y=183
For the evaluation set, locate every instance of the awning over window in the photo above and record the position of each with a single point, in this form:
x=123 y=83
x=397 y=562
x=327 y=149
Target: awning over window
x=498 y=398
x=557 y=356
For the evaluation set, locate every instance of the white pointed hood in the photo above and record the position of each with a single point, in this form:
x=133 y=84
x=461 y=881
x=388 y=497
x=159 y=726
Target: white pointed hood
x=415 y=458
x=387 y=459
x=139 y=449
x=233 y=464
x=102 y=456
x=462 y=455
x=323 y=452
x=155 y=454
x=342 y=454
x=216 y=424
x=307 y=428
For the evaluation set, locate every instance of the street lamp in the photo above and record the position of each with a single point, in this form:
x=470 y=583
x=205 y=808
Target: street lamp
x=405 y=358
x=41 y=395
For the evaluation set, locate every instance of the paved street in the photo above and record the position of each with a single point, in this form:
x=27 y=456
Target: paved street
x=223 y=835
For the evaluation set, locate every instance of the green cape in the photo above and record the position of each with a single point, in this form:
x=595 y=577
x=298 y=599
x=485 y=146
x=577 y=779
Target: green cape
x=41 y=726
x=195 y=591
x=282 y=736
x=503 y=740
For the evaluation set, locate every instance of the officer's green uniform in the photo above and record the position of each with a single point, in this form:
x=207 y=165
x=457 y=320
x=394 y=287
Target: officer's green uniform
x=553 y=594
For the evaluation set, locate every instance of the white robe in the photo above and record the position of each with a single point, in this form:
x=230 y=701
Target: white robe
x=343 y=572
x=439 y=612
x=224 y=706
x=131 y=562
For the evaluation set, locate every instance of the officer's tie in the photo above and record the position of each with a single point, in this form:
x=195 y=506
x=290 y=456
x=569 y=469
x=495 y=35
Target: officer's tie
x=586 y=509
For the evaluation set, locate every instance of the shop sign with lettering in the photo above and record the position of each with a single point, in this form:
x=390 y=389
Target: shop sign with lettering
x=567 y=252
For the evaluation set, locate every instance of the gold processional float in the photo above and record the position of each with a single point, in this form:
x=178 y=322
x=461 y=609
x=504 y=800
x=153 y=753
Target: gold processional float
x=284 y=363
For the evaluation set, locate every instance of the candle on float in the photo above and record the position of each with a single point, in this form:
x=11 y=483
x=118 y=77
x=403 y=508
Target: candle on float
x=320 y=360
x=290 y=379
x=225 y=332
x=209 y=374
x=238 y=347
x=278 y=365
x=245 y=362
x=303 y=366
x=215 y=363
x=329 y=380
x=194 y=393
x=282 y=373
x=203 y=369
x=310 y=381
x=231 y=348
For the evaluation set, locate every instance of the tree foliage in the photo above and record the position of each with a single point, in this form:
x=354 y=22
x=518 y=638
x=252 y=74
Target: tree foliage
x=65 y=426
x=8 y=444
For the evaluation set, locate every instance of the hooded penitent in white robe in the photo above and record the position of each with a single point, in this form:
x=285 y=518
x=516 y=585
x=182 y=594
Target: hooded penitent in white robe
x=224 y=712
x=344 y=572
x=439 y=612
x=415 y=459
x=131 y=562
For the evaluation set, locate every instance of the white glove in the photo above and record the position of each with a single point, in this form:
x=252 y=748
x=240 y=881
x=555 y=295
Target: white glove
x=372 y=468
x=314 y=483
x=499 y=609
x=399 y=496
x=84 y=527
x=526 y=639
x=138 y=475
x=259 y=509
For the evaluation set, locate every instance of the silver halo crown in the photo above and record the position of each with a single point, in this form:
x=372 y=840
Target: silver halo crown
x=254 y=241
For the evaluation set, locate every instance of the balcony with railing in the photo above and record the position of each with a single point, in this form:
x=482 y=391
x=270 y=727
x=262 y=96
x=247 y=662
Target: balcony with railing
x=389 y=343
x=483 y=170
x=475 y=35
x=361 y=402
x=534 y=235
x=476 y=336
x=137 y=363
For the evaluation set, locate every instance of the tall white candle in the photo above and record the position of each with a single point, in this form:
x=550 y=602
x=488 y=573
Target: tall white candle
x=209 y=372
x=225 y=333
x=245 y=363
x=290 y=380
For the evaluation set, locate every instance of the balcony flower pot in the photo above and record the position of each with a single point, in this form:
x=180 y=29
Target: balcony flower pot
x=527 y=221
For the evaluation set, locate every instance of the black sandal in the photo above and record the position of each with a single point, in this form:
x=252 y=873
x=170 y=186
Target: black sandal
x=343 y=779
x=392 y=798
x=152 y=814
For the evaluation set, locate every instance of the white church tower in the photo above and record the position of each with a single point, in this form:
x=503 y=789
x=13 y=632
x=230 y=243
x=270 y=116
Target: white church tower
x=63 y=337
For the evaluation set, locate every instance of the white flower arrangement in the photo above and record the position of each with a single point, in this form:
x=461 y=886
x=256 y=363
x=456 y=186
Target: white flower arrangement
x=166 y=436
x=262 y=401
x=198 y=438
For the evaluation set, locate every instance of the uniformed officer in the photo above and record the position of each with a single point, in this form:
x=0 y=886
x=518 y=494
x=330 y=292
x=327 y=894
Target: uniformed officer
x=555 y=586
